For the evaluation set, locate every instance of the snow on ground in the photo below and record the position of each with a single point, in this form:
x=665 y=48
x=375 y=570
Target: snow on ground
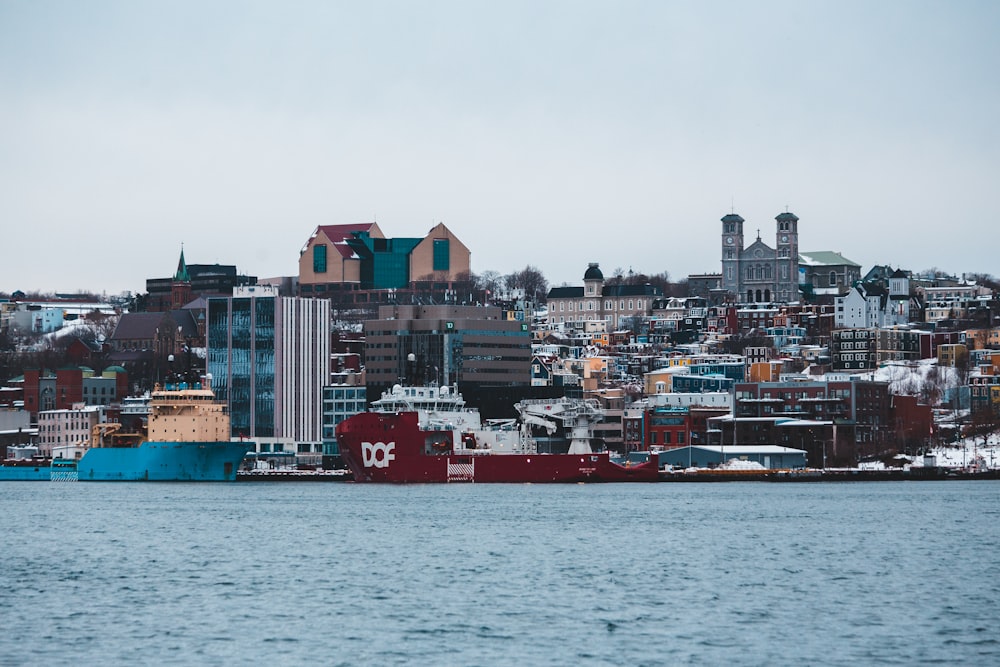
x=968 y=453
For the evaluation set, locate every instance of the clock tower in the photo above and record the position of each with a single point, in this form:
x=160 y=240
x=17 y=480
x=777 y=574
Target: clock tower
x=732 y=248
x=786 y=283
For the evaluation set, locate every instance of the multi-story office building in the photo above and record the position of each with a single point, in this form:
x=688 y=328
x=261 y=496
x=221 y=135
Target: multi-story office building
x=443 y=345
x=269 y=357
x=340 y=401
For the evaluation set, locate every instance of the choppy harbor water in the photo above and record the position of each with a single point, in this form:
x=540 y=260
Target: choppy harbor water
x=899 y=573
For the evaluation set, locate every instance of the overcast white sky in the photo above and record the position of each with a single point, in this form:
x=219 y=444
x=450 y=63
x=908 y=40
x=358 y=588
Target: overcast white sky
x=545 y=133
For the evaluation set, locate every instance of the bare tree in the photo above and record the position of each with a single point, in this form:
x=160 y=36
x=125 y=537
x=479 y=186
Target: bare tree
x=986 y=280
x=932 y=386
x=489 y=281
x=531 y=280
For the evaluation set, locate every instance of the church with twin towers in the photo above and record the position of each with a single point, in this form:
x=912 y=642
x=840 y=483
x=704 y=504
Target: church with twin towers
x=759 y=273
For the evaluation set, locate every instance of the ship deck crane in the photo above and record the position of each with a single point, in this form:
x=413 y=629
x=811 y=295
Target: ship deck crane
x=578 y=416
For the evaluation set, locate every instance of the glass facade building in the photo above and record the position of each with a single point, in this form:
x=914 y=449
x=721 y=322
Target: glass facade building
x=339 y=403
x=269 y=359
x=468 y=345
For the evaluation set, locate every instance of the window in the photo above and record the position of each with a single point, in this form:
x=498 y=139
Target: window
x=319 y=258
x=442 y=255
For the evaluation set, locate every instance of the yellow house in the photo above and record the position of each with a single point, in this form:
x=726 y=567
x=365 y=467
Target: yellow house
x=950 y=354
x=764 y=371
x=659 y=378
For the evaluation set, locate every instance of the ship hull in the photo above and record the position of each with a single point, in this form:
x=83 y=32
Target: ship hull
x=391 y=448
x=163 y=462
x=21 y=473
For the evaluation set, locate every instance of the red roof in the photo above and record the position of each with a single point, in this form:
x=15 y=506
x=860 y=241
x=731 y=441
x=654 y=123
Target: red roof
x=338 y=235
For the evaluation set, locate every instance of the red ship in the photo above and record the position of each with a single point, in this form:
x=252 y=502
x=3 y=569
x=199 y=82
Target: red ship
x=394 y=448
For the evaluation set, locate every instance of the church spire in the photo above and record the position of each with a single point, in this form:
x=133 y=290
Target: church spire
x=182 y=269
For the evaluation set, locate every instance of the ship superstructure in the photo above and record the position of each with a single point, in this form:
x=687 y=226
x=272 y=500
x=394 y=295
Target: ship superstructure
x=421 y=434
x=185 y=437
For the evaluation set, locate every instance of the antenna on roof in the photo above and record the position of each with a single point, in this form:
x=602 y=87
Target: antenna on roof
x=732 y=204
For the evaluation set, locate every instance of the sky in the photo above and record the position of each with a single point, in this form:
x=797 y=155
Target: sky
x=543 y=133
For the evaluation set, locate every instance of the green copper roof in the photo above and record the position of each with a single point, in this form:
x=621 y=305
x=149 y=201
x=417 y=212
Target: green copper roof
x=182 y=270
x=824 y=258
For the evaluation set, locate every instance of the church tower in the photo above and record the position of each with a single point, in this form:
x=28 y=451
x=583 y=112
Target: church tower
x=732 y=248
x=180 y=286
x=786 y=277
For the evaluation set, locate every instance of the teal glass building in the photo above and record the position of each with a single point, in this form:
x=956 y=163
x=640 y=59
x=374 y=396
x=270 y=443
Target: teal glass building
x=269 y=359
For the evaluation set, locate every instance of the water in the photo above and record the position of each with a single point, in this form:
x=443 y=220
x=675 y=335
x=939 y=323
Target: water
x=893 y=573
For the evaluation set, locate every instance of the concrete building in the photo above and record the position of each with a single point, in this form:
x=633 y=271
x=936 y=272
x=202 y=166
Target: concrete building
x=443 y=345
x=269 y=357
x=68 y=429
x=617 y=304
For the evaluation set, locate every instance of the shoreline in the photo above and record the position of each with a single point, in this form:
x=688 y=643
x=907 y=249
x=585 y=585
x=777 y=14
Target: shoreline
x=714 y=476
